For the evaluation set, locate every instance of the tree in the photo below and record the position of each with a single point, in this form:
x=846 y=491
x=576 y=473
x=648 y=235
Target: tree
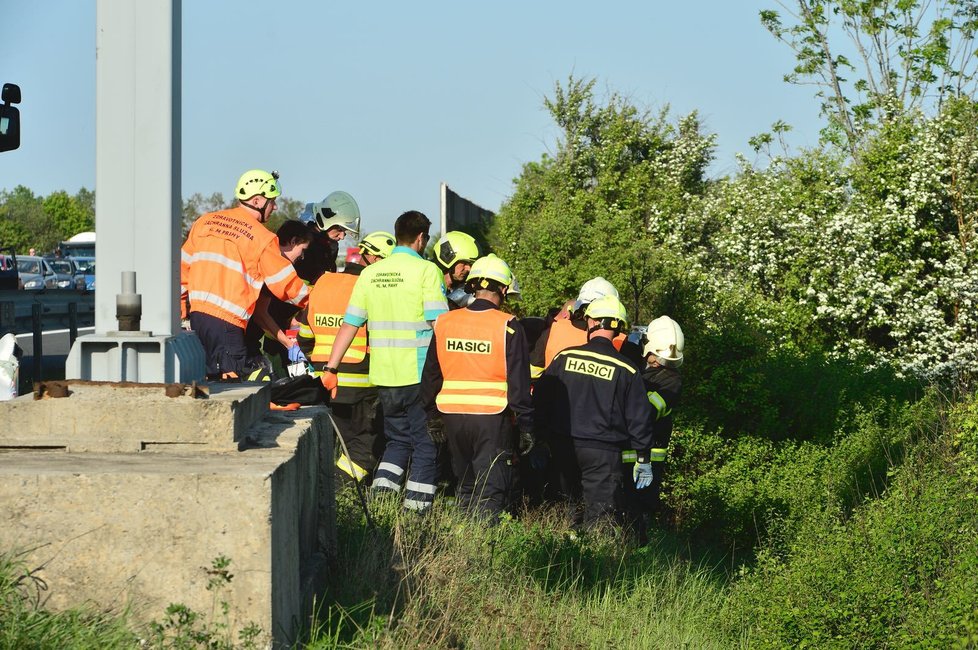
x=71 y=215
x=29 y=224
x=610 y=201
x=904 y=55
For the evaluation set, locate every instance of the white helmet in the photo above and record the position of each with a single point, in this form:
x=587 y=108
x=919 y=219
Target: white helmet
x=665 y=341
x=594 y=289
x=337 y=209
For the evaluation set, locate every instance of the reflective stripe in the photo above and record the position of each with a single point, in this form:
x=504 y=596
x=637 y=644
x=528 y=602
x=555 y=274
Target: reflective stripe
x=657 y=455
x=595 y=355
x=535 y=372
x=414 y=504
x=462 y=385
x=217 y=301
x=445 y=400
x=387 y=484
x=629 y=456
x=435 y=305
x=397 y=325
x=352 y=380
x=303 y=292
x=286 y=271
x=351 y=468
x=223 y=260
x=390 y=467
x=659 y=403
x=424 y=488
x=399 y=343
x=356 y=312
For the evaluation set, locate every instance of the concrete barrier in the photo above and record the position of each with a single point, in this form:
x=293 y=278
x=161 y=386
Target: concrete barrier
x=117 y=502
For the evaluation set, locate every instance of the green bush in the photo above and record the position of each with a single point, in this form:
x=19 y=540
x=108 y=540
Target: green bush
x=894 y=571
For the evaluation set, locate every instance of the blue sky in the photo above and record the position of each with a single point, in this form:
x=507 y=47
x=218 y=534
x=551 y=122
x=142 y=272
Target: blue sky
x=387 y=99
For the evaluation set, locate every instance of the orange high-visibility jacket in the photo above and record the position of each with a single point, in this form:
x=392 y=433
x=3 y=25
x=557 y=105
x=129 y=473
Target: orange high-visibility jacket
x=227 y=257
x=327 y=304
x=564 y=335
x=472 y=356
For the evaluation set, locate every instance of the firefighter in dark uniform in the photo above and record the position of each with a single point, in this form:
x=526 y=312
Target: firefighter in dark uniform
x=663 y=350
x=478 y=382
x=355 y=408
x=593 y=402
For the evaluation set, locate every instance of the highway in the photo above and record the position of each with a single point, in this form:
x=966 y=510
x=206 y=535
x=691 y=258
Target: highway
x=54 y=342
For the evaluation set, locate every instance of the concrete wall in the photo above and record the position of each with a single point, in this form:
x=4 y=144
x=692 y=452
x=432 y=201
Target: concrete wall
x=141 y=528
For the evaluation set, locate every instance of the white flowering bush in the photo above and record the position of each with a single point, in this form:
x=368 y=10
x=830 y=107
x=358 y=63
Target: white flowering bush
x=879 y=255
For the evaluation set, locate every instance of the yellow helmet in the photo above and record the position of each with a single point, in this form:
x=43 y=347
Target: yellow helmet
x=454 y=247
x=490 y=267
x=378 y=243
x=609 y=311
x=255 y=182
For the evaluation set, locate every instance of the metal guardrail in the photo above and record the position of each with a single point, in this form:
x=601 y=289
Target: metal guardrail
x=54 y=306
x=29 y=312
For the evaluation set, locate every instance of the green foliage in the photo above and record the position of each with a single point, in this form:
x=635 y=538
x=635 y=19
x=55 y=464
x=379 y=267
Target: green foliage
x=25 y=221
x=874 y=61
x=182 y=628
x=896 y=571
x=605 y=203
x=446 y=581
x=70 y=214
x=24 y=623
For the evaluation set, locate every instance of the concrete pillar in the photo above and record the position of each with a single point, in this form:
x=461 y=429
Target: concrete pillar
x=138 y=204
x=137 y=197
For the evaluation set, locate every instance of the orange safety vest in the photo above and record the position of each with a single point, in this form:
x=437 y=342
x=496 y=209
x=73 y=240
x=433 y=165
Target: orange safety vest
x=472 y=356
x=564 y=335
x=327 y=304
x=227 y=258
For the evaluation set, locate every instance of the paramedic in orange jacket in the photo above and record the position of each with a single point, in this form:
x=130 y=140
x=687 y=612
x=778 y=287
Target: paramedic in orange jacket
x=479 y=379
x=226 y=259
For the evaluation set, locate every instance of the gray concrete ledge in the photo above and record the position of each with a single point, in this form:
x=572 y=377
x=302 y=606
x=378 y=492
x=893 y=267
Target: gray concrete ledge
x=140 y=529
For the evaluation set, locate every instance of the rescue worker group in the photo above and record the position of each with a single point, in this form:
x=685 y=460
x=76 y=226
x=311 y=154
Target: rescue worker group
x=435 y=387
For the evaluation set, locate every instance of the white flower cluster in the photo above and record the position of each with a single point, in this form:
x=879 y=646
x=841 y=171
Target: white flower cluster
x=883 y=258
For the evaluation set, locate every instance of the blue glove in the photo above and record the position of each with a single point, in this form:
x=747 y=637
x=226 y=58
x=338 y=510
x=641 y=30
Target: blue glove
x=295 y=354
x=642 y=473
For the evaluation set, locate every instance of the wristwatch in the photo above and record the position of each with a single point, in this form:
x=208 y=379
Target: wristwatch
x=332 y=370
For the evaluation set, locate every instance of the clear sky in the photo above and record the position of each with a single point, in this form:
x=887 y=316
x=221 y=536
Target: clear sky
x=385 y=100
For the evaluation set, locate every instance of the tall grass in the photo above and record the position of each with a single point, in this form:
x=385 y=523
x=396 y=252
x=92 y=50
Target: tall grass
x=24 y=623
x=443 y=580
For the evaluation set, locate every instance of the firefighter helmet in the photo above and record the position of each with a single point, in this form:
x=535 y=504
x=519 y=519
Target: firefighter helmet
x=255 y=182
x=592 y=290
x=454 y=247
x=490 y=267
x=609 y=311
x=665 y=341
x=378 y=243
x=337 y=209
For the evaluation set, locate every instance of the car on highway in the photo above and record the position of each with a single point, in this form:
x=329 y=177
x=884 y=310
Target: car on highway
x=35 y=272
x=64 y=272
x=84 y=272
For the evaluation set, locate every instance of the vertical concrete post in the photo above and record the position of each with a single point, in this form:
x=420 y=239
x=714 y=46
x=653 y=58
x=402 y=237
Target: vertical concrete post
x=137 y=198
x=137 y=174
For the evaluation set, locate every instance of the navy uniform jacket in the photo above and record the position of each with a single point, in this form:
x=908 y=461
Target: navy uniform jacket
x=593 y=394
x=664 y=386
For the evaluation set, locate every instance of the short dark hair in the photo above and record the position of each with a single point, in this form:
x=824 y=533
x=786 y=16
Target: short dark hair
x=293 y=229
x=409 y=225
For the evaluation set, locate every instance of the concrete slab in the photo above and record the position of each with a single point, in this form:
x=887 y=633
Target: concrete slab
x=101 y=417
x=141 y=529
